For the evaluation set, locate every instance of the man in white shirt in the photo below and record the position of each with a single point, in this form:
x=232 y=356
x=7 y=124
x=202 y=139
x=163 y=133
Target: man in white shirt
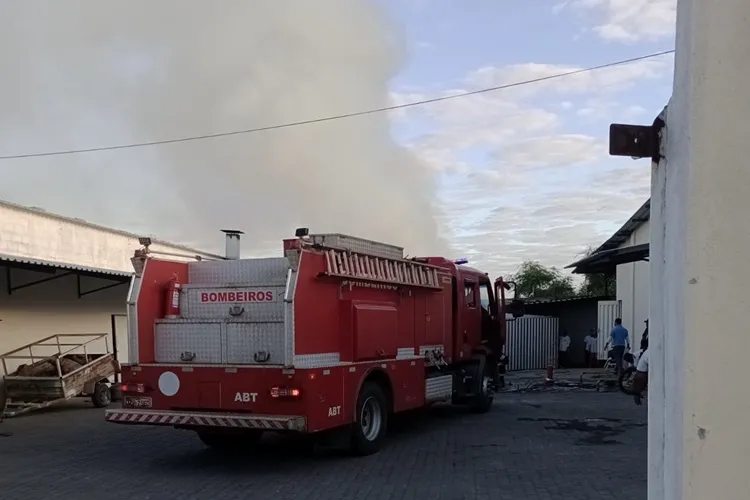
x=591 y=346
x=640 y=381
x=562 y=357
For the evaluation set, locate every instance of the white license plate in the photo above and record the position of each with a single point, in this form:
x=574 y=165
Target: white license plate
x=136 y=402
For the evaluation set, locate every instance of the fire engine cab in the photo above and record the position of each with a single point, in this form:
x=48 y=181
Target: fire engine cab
x=339 y=332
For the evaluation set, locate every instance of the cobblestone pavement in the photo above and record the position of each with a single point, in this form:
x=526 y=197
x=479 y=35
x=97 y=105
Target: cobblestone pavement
x=541 y=446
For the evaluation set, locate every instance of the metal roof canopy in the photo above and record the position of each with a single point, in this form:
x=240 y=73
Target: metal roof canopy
x=606 y=261
x=51 y=268
x=621 y=236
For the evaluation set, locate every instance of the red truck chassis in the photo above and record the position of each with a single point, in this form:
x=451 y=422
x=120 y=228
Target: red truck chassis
x=340 y=332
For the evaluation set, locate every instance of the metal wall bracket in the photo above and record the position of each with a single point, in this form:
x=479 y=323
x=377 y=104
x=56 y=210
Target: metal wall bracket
x=82 y=292
x=12 y=288
x=636 y=141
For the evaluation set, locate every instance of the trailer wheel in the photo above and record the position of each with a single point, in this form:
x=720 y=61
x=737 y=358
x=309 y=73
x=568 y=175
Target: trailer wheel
x=230 y=441
x=482 y=402
x=101 y=396
x=371 y=420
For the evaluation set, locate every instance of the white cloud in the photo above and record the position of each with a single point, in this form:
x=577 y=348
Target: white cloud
x=627 y=21
x=550 y=151
x=607 y=80
x=520 y=185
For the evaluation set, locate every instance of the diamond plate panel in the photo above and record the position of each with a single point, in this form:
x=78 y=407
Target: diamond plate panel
x=423 y=349
x=244 y=340
x=439 y=388
x=259 y=272
x=321 y=360
x=359 y=245
x=202 y=339
x=405 y=353
x=192 y=305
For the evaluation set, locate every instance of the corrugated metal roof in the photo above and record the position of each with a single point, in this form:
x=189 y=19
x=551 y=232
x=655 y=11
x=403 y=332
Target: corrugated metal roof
x=81 y=222
x=621 y=236
x=534 y=302
x=607 y=261
x=61 y=265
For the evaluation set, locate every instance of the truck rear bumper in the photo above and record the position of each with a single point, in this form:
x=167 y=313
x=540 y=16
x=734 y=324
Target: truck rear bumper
x=190 y=419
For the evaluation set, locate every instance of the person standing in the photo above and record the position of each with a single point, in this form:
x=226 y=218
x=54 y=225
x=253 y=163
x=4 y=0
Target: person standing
x=591 y=348
x=640 y=382
x=562 y=355
x=619 y=341
x=644 y=338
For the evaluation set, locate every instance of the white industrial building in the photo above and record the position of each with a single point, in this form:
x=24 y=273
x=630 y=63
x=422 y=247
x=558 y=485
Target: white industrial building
x=624 y=255
x=61 y=275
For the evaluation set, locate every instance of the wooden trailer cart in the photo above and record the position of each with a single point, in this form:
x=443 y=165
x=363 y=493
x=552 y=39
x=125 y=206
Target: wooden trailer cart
x=61 y=367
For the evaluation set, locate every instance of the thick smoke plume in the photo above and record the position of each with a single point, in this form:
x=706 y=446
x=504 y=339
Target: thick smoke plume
x=78 y=74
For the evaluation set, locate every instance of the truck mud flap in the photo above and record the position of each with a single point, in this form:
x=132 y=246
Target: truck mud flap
x=189 y=419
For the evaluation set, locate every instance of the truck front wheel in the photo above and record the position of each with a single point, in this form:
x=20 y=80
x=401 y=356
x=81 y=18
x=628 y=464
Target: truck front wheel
x=371 y=420
x=482 y=401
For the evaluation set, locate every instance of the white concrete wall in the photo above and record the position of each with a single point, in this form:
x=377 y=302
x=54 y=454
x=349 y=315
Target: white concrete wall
x=39 y=311
x=633 y=286
x=698 y=398
x=43 y=236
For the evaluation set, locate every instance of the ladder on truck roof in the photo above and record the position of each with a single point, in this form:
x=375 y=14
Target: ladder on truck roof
x=346 y=264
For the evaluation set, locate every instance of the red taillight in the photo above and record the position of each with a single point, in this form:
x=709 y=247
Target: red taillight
x=131 y=387
x=284 y=392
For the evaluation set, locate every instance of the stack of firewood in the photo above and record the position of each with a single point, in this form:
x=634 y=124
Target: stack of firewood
x=48 y=368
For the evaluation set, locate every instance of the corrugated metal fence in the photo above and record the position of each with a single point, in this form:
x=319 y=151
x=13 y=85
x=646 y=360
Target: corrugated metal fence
x=532 y=342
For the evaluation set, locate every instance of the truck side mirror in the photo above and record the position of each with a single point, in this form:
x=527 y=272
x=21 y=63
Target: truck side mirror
x=516 y=305
x=516 y=308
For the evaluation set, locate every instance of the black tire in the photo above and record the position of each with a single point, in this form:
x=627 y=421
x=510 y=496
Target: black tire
x=625 y=381
x=230 y=441
x=371 y=420
x=482 y=402
x=101 y=397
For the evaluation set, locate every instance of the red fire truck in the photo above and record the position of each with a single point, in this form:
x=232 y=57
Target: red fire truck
x=340 y=332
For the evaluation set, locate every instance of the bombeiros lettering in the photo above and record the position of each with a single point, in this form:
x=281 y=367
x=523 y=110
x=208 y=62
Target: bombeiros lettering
x=245 y=397
x=238 y=296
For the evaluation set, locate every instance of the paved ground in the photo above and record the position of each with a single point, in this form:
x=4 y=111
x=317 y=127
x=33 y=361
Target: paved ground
x=573 y=445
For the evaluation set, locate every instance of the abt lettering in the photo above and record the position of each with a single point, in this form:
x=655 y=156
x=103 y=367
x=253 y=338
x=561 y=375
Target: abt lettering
x=334 y=411
x=239 y=296
x=245 y=397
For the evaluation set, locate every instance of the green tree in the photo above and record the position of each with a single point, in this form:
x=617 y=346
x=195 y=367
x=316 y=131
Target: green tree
x=597 y=285
x=537 y=281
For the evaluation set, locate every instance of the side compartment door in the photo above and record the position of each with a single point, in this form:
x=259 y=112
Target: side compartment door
x=470 y=329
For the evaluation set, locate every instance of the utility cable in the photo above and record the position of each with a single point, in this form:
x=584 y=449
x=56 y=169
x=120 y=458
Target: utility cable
x=342 y=116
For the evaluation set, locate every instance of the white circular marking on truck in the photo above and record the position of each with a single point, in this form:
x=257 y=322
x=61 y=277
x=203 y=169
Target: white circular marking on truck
x=169 y=384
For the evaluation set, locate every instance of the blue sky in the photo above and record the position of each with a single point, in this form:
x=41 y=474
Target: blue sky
x=555 y=162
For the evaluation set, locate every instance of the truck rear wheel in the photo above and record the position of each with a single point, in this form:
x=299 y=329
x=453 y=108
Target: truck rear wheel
x=227 y=441
x=482 y=401
x=371 y=420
